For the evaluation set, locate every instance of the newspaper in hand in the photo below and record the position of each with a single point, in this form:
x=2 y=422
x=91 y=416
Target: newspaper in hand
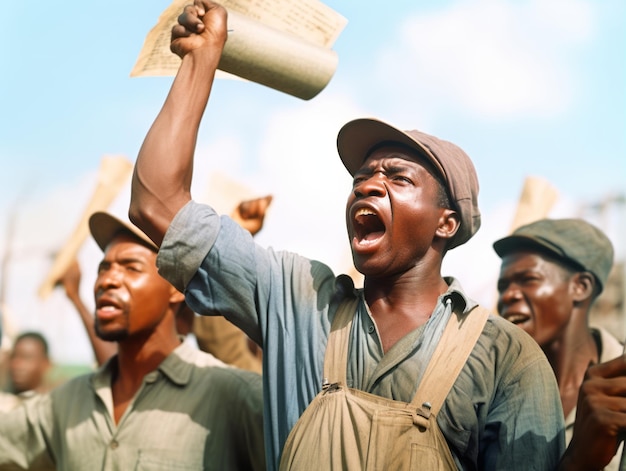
x=282 y=44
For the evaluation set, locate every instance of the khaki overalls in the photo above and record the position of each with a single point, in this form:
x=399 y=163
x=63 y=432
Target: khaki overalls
x=348 y=429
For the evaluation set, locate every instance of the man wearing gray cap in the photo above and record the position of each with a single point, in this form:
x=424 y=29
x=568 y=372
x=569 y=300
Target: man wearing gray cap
x=158 y=403
x=406 y=373
x=552 y=272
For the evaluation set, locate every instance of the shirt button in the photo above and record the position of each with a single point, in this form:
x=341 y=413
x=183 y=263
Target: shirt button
x=114 y=444
x=371 y=329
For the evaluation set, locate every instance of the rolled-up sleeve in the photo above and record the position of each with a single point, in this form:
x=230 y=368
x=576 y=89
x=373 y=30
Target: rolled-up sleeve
x=279 y=299
x=188 y=239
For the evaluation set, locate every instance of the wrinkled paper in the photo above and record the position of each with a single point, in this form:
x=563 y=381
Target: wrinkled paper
x=282 y=44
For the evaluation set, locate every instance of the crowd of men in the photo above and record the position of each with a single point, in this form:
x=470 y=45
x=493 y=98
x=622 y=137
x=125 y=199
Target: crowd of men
x=407 y=372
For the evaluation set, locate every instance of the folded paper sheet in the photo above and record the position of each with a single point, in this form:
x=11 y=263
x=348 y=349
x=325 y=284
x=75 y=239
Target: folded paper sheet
x=282 y=44
x=113 y=174
x=535 y=202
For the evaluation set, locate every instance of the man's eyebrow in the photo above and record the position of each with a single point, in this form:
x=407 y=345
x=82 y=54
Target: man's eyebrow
x=125 y=261
x=522 y=272
x=364 y=171
x=133 y=259
x=397 y=169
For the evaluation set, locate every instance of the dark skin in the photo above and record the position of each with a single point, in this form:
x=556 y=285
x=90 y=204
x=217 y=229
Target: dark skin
x=250 y=215
x=28 y=365
x=600 y=418
x=157 y=193
x=401 y=285
x=398 y=233
x=551 y=303
x=136 y=308
x=71 y=283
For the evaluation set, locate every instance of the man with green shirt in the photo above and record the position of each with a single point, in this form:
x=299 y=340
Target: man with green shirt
x=158 y=403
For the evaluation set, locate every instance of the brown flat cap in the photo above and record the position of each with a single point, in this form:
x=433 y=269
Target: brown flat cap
x=356 y=139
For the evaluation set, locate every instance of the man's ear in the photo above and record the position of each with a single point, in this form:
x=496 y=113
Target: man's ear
x=449 y=224
x=176 y=296
x=583 y=285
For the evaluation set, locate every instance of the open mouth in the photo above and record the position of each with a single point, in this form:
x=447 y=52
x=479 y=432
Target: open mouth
x=516 y=318
x=107 y=307
x=367 y=225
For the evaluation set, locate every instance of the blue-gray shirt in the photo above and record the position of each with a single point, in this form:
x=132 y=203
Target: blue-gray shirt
x=503 y=412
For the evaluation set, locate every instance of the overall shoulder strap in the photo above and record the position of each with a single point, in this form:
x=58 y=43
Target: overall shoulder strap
x=457 y=341
x=336 y=356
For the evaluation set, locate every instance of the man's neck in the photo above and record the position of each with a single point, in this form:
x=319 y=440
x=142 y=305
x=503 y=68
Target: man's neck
x=570 y=357
x=137 y=357
x=401 y=305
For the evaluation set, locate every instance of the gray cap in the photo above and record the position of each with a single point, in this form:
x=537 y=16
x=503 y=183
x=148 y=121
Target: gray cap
x=358 y=137
x=572 y=240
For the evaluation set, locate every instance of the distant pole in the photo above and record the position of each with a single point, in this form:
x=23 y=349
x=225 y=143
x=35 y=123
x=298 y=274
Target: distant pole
x=620 y=200
x=6 y=257
x=4 y=271
x=8 y=252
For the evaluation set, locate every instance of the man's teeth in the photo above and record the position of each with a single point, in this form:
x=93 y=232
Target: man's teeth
x=365 y=212
x=516 y=318
x=108 y=308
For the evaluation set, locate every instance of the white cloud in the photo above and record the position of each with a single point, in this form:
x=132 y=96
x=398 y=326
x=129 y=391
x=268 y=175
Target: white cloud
x=490 y=57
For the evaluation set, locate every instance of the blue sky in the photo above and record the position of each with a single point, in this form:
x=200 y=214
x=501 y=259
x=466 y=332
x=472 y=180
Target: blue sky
x=525 y=87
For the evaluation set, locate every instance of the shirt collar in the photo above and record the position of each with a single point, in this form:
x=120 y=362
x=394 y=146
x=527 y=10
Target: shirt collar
x=460 y=301
x=177 y=368
x=27 y=394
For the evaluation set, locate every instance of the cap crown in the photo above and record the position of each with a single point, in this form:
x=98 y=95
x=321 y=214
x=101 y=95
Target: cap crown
x=356 y=138
x=572 y=240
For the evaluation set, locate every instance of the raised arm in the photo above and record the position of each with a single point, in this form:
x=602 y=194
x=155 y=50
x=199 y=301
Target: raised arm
x=163 y=171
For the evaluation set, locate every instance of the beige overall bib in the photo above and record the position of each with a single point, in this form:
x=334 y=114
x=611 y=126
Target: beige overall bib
x=348 y=429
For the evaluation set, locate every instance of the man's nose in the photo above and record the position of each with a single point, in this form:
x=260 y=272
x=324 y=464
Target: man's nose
x=374 y=185
x=507 y=296
x=111 y=277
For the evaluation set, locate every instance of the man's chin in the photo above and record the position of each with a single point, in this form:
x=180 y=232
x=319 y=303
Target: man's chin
x=112 y=336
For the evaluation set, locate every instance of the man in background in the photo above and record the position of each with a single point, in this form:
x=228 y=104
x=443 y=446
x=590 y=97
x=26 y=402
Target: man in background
x=158 y=403
x=29 y=364
x=552 y=272
x=213 y=334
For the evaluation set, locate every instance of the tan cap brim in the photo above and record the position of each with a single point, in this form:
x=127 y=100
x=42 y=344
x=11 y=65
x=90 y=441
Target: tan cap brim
x=356 y=138
x=104 y=227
